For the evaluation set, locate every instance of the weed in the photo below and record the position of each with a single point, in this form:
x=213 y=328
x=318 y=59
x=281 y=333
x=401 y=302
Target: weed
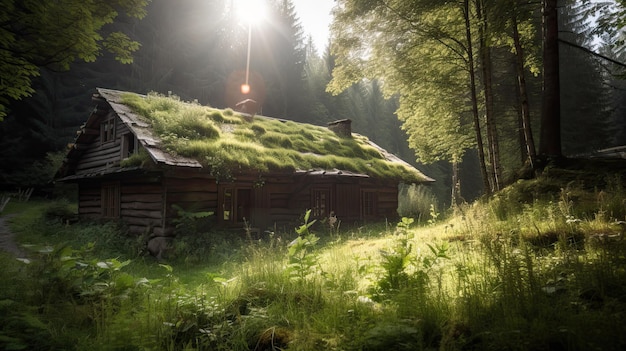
x=301 y=259
x=434 y=215
x=402 y=269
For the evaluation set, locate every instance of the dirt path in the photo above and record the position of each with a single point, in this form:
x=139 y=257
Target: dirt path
x=7 y=241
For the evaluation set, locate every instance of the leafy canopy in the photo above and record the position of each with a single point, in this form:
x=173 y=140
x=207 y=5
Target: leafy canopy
x=414 y=48
x=420 y=50
x=35 y=34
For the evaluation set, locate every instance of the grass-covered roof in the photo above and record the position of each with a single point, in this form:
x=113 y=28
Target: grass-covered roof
x=226 y=140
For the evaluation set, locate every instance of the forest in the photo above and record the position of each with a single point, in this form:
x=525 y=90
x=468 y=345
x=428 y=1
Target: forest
x=516 y=108
x=481 y=128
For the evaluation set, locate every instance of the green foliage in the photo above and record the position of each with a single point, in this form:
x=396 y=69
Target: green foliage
x=433 y=110
x=71 y=275
x=59 y=211
x=70 y=30
x=302 y=261
x=137 y=159
x=394 y=264
x=194 y=240
x=434 y=215
x=71 y=288
x=401 y=269
x=539 y=276
x=188 y=221
x=39 y=173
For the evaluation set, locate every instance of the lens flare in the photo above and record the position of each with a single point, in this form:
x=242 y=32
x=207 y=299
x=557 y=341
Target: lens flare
x=245 y=88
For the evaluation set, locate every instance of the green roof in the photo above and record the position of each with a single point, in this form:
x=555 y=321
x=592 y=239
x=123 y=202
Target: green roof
x=223 y=140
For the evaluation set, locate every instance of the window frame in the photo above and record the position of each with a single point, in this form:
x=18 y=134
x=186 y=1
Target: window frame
x=107 y=131
x=110 y=200
x=231 y=210
x=321 y=202
x=369 y=200
x=127 y=151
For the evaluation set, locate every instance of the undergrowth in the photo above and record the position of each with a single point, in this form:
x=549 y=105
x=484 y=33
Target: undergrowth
x=527 y=270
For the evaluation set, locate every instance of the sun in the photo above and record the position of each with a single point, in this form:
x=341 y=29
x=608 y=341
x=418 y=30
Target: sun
x=251 y=11
x=245 y=88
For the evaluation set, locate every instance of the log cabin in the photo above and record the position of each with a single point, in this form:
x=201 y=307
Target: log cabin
x=142 y=158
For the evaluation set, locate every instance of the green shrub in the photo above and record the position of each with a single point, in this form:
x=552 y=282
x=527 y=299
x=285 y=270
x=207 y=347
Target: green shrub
x=414 y=201
x=60 y=211
x=137 y=159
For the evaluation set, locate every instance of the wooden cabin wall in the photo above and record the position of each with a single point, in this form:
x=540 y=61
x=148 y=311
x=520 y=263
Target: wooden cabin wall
x=345 y=198
x=387 y=201
x=191 y=191
x=141 y=205
x=279 y=203
x=348 y=201
x=283 y=212
x=89 y=195
x=100 y=156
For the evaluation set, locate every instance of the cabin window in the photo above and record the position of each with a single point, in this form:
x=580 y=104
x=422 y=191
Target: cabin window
x=128 y=145
x=368 y=203
x=107 y=130
x=236 y=203
x=320 y=202
x=110 y=200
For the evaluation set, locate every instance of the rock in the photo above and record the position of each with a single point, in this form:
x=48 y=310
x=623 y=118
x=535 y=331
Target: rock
x=158 y=246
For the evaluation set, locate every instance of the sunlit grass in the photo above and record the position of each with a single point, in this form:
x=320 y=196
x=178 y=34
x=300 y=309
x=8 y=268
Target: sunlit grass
x=550 y=271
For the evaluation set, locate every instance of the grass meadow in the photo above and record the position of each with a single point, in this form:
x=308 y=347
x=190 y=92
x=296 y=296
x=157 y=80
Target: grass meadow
x=536 y=267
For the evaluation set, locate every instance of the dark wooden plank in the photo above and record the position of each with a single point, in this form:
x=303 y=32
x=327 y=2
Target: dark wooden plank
x=142 y=197
x=138 y=205
x=128 y=213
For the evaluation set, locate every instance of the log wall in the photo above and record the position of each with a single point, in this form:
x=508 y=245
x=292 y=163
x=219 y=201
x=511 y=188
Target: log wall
x=89 y=200
x=191 y=191
x=99 y=156
x=140 y=202
x=141 y=205
x=147 y=202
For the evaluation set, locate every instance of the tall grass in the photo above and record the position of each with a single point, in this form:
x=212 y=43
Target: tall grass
x=547 y=274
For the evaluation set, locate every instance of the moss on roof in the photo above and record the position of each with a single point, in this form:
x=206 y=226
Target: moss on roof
x=226 y=140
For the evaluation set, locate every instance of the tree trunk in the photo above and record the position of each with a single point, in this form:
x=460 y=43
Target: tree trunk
x=529 y=141
x=479 y=139
x=492 y=130
x=550 y=143
x=456 y=184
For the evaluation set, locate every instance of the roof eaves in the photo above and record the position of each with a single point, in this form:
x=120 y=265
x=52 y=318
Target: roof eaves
x=332 y=172
x=101 y=173
x=419 y=176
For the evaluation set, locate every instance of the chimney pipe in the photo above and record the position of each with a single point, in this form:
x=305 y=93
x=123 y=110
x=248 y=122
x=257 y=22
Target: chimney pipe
x=342 y=128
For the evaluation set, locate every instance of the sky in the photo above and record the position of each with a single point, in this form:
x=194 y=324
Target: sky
x=315 y=18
